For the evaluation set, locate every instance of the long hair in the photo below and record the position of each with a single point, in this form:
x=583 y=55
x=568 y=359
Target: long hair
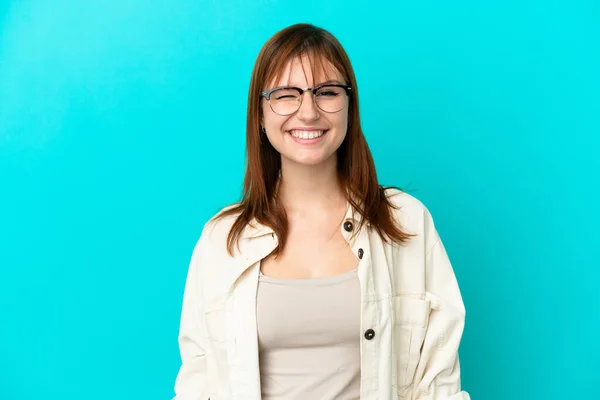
x=356 y=169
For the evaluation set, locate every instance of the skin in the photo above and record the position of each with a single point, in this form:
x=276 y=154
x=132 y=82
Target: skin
x=314 y=202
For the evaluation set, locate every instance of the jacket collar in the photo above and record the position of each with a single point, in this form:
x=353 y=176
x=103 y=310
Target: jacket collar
x=255 y=229
x=258 y=241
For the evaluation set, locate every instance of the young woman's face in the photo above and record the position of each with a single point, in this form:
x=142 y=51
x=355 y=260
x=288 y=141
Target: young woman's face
x=308 y=136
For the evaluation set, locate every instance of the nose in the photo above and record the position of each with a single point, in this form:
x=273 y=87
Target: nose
x=308 y=110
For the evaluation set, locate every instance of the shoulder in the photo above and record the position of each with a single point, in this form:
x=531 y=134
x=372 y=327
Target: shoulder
x=216 y=229
x=405 y=204
x=412 y=214
x=210 y=247
x=404 y=200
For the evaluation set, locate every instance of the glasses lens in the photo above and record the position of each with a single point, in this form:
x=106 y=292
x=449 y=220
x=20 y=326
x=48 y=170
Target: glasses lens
x=285 y=101
x=331 y=98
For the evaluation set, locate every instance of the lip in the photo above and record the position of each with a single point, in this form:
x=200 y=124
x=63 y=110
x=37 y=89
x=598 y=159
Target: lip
x=307 y=141
x=306 y=129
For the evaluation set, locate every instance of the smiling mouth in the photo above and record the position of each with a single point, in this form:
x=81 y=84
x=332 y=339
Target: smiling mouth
x=307 y=135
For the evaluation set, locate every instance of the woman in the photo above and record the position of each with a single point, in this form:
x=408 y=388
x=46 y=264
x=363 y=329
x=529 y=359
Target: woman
x=319 y=284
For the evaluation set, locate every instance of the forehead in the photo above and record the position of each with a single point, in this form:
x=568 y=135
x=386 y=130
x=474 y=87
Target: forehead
x=303 y=71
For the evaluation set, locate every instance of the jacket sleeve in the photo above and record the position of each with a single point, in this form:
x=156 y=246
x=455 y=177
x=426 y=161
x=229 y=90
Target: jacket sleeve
x=438 y=373
x=191 y=380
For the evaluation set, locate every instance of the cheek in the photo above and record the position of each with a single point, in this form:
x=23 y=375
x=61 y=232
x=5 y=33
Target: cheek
x=341 y=123
x=273 y=125
x=273 y=122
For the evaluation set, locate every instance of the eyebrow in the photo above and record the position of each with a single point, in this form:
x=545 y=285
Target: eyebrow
x=330 y=82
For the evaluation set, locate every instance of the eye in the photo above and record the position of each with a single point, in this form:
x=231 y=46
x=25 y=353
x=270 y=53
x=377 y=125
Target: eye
x=329 y=91
x=284 y=94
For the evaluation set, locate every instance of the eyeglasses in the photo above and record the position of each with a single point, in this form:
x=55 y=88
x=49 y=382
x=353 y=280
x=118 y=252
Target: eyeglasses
x=286 y=100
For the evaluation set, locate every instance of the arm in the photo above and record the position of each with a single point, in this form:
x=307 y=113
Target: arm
x=438 y=373
x=191 y=381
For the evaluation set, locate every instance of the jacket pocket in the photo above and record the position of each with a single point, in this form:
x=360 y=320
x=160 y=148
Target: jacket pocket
x=411 y=317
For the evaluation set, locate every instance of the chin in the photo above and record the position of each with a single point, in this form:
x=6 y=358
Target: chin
x=310 y=161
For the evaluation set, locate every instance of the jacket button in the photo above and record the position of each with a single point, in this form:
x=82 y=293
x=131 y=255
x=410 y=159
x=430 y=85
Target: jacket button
x=369 y=334
x=360 y=253
x=348 y=226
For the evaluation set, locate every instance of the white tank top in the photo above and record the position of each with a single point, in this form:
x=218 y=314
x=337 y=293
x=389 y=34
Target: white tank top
x=309 y=337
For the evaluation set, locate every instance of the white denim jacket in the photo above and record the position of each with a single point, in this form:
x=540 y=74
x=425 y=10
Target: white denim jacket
x=412 y=314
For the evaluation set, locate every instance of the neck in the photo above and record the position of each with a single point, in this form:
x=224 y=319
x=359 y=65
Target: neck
x=315 y=187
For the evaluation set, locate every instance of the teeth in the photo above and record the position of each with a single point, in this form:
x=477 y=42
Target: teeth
x=306 y=134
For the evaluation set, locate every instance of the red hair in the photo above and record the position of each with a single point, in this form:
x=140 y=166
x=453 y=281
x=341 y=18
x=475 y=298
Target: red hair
x=356 y=169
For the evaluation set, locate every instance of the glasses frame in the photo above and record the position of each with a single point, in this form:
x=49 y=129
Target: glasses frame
x=267 y=95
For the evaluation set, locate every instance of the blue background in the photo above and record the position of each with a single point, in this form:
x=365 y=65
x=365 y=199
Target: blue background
x=122 y=132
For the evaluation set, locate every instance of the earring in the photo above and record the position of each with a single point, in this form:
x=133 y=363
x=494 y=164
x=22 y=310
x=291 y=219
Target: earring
x=263 y=130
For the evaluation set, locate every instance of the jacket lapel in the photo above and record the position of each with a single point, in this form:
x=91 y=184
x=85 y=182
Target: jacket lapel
x=256 y=243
